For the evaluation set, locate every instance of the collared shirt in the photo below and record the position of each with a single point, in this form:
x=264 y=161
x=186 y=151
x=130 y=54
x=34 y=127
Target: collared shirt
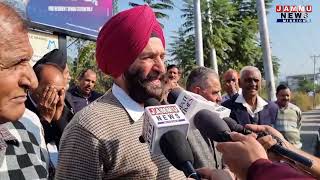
x=289 y=123
x=134 y=109
x=226 y=96
x=260 y=104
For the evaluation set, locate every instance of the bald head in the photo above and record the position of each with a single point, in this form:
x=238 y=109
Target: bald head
x=87 y=81
x=14 y=37
x=10 y=18
x=231 y=72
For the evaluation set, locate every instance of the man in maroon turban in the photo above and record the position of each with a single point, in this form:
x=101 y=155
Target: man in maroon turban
x=102 y=140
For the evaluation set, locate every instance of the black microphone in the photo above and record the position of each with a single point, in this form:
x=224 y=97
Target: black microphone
x=176 y=149
x=277 y=148
x=234 y=126
x=173 y=95
x=152 y=102
x=212 y=126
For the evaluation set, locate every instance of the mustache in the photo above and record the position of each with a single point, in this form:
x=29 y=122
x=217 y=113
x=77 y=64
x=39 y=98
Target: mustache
x=154 y=75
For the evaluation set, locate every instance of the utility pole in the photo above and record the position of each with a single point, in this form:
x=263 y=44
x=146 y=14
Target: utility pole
x=213 y=55
x=198 y=32
x=314 y=57
x=267 y=62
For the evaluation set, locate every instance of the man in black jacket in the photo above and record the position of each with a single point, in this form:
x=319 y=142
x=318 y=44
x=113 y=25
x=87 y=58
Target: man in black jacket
x=53 y=131
x=47 y=100
x=83 y=94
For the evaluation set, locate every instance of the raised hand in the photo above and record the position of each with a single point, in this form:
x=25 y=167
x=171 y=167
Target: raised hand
x=47 y=103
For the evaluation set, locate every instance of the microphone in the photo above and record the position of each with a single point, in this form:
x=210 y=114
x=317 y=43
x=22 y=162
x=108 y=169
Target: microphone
x=212 y=126
x=277 y=148
x=152 y=102
x=190 y=103
x=159 y=119
x=234 y=126
x=176 y=149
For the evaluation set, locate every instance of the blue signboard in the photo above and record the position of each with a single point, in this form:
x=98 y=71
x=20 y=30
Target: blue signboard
x=75 y=17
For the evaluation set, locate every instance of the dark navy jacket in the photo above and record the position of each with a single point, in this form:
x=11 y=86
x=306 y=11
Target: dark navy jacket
x=79 y=101
x=267 y=116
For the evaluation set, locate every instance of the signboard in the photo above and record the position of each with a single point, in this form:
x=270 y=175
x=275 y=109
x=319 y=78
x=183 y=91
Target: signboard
x=80 y=18
x=42 y=43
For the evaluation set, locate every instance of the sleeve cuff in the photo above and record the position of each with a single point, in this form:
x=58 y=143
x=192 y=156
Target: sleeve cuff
x=256 y=168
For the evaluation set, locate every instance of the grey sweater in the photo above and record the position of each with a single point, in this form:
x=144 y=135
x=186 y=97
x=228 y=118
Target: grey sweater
x=204 y=151
x=102 y=142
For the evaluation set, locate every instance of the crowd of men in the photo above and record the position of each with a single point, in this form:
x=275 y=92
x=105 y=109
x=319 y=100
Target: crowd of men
x=51 y=131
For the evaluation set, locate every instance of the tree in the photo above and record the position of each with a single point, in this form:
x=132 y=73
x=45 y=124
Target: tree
x=87 y=59
x=218 y=35
x=307 y=86
x=275 y=64
x=158 y=7
x=233 y=34
x=182 y=52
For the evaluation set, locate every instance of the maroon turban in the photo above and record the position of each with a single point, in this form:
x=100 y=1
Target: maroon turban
x=124 y=37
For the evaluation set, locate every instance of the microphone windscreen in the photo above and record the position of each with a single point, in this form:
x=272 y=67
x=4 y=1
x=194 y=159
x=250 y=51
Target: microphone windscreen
x=176 y=148
x=173 y=95
x=211 y=125
x=152 y=102
x=233 y=125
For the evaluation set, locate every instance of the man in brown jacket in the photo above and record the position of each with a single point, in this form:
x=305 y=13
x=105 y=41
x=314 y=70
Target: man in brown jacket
x=102 y=140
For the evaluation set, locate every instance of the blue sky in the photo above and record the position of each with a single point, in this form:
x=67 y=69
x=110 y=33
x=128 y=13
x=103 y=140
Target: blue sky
x=292 y=43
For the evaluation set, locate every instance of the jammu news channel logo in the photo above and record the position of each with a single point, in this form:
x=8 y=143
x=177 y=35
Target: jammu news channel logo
x=294 y=13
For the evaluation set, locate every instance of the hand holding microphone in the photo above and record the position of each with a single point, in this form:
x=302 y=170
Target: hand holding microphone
x=314 y=169
x=272 y=140
x=241 y=153
x=266 y=138
x=213 y=127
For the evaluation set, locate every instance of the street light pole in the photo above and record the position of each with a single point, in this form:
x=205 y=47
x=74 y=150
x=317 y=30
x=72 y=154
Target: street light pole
x=213 y=55
x=267 y=61
x=314 y=57
x=198 y=32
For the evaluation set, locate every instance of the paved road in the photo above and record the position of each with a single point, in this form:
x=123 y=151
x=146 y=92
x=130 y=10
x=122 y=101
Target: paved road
x=310 y=131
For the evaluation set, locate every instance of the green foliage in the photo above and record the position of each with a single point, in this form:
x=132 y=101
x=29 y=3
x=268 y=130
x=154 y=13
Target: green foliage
x=307 y=86
x=303 y=101
x=86 y=59
x=182 y=52
x=158 y=7
x=229 y=26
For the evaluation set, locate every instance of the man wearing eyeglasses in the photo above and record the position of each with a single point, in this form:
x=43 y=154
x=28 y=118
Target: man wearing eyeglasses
x=230 y=85
x=248 y=107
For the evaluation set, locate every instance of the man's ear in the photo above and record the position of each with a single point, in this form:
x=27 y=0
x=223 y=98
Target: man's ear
x=196 y=89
